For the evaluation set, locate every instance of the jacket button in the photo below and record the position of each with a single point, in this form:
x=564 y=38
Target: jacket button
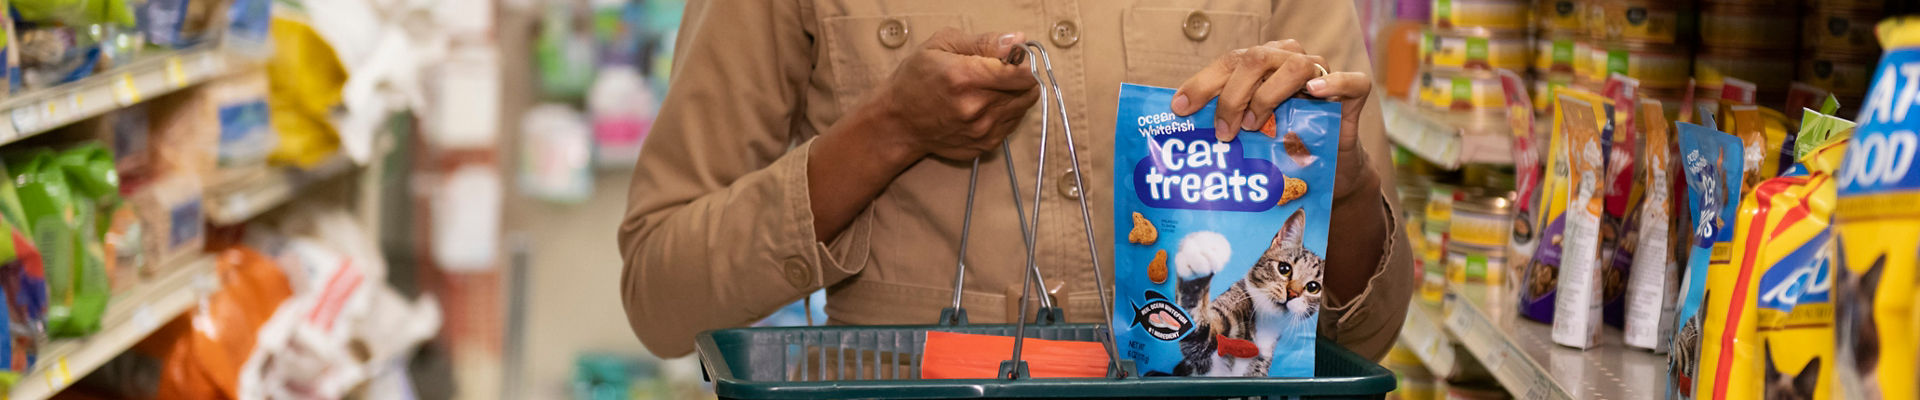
x=1065 y=34
x=893 y=33
x=1067 y=187
x=1198 y=25
x=797 y=273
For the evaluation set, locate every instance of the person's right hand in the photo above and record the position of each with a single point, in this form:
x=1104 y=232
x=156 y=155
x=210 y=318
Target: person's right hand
x=956 y=99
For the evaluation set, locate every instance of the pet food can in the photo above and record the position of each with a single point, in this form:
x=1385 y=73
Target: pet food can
x=1433 y=258
x=1489 y=14
x=1482 y=49
x=1545 y=84
x=1751 y=27
x=1650 y=21
x=1834 y=30
x=1844 y=75
x=1554 y=51
x=1466 y=90
x=1558 y=15
x=1655 y=65
x=1768 y=70
x=1477 y=236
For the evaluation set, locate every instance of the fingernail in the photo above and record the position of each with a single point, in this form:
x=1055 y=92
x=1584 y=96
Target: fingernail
x=1247 y=121
x=1223 y=130
x=1316 y=85
x=1180 y=102
x=1007 y=40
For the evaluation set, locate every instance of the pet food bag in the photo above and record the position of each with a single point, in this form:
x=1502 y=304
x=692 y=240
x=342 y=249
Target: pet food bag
x=1653 y=284
x=1220 y=246
x=1775 y=285
x=1539 y=278
x=1620 y=224
x=1879 y=228
x=1576 y=310
x=1712 y=162
x=1526 y=168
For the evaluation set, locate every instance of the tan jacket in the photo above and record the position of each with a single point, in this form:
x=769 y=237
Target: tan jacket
x=718 y=231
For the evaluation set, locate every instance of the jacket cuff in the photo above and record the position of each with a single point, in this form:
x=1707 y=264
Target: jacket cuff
x=824 y=262
x=1370 y=322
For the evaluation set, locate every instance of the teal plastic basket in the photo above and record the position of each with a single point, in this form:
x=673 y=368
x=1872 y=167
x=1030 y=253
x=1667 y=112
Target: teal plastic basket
x=883 y=362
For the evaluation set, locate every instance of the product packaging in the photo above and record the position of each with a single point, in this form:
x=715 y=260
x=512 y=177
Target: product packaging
x=1220 y=246
x=1879 y=229
x=1713 y=163
x=246 y=134
x=1539 y=278
x=1772 y=334
x=1576 y=309
x=1528 y=172
x=1653 y=282
x=1620 y=223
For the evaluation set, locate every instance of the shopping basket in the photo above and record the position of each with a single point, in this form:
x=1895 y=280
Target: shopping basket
x=883 y=362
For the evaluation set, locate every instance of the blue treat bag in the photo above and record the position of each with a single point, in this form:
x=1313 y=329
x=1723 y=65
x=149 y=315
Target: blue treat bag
x=1220 y=246
x=1712 y=162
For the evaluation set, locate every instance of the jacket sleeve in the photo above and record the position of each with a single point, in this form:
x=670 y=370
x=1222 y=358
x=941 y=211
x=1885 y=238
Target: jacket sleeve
x=1369 y=322
x=719 y=230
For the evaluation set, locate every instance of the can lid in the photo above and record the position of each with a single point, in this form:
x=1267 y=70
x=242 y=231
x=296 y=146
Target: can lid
x=1484 y=201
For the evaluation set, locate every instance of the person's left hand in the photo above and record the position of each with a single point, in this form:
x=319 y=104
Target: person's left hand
x=1251 y=82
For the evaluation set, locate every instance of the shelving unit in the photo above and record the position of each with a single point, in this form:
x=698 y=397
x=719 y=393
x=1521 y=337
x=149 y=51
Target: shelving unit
x=236 y=201
x=130 y=317
x=1520 y=354
x=151 y=75
x=1445 y=139
x=1427 y=338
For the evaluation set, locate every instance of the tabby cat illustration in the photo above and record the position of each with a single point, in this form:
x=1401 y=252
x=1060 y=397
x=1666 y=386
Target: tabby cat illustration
x=1234 y=333
x=1801 y=386
x=1683 y=360
x=1856 y=332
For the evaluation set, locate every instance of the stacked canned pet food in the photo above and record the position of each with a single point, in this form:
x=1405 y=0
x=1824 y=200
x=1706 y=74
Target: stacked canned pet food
x=1647 y=40
x=1466 y=40
x=1838 y=47
x=1753 y=40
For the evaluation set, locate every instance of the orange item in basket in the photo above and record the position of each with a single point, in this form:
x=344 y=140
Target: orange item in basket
x=950 y=355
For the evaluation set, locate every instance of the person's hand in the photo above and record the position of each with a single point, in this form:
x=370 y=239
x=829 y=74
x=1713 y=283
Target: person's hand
x=1251 y=82
x=955 y=98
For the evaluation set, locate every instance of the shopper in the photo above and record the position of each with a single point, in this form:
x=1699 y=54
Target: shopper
x=808 y=145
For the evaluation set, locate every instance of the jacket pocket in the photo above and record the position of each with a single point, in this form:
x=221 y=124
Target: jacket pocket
x=864 y=50
x=1165 y=46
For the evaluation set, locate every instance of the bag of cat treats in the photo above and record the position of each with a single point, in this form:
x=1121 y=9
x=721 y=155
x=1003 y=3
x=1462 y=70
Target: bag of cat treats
x=1576 y=309
x=1817 y=129
x=1526 y=168
x=1219 y=246
x=1539 y=277
x=1763 y=132
x=1653 y=282
x=1878 y=230
x=1712 y=162
x=1768 y=324
x=1619 y=224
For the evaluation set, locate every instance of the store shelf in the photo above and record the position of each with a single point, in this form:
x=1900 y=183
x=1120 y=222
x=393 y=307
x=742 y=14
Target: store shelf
x=151 y=75
x=1448 y=139
x=238 y=200
x=1427 y=339
x=130 y=317
x=1521 y=355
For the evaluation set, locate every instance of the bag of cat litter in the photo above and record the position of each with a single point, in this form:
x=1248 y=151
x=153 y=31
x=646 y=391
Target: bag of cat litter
x=1576 y=310
x=1712 y=163
x=1653 y=282
x=1879 y=229
x=1539 y=278
x=1219 y=245
x=1768 y=321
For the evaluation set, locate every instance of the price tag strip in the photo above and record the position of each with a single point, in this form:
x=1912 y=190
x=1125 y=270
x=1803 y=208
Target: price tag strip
x=1522 y=376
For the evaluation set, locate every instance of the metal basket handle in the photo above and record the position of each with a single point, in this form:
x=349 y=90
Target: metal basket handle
x=1042 y=68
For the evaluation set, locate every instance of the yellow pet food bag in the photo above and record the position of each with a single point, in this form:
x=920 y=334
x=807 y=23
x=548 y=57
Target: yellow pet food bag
x=1878 y=219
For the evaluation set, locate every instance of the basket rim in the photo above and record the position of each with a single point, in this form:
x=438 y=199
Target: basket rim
x=1373 y=379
